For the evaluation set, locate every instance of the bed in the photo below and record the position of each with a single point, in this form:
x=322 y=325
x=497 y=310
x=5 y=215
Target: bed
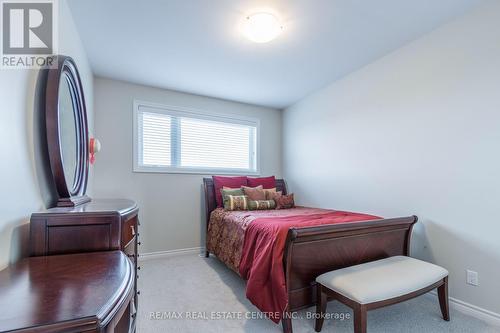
x=304 y=252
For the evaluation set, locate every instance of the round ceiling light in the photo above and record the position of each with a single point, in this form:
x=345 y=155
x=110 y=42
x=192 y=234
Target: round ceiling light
x=262 y=27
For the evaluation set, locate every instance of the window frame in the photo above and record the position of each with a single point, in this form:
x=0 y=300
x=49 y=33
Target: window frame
x=198 y=114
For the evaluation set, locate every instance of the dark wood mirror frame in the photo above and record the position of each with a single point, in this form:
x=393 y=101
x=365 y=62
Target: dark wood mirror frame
x=68 y=194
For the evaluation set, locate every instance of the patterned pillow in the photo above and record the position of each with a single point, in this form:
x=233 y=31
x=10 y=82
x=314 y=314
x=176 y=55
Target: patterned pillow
x=225 y=191
x=236 y=202
x=270 y=192
x=261 y=204
x=254 y=193
x=284 y=201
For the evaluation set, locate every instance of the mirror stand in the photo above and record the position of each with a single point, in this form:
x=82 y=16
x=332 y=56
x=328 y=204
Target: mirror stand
x=67 y=132
x=73 y=201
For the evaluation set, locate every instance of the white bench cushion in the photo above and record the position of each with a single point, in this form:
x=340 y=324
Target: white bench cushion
x=382 y=279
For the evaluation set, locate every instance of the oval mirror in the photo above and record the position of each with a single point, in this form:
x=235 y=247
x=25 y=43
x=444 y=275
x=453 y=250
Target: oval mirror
x=67 y=132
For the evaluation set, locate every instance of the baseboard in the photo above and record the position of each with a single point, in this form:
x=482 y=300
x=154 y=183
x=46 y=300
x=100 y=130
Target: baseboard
x=488 y=316
x=164 y=254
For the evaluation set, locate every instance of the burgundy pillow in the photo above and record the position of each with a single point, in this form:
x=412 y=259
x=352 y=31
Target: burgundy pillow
x=266 y=182
x=232 y=182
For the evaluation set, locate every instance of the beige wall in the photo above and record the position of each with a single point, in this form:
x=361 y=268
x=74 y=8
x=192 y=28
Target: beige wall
x=171 y=206
x=23 y=188
x=416 y=132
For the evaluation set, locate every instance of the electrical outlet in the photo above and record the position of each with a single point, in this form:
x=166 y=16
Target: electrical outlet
x=472 y=278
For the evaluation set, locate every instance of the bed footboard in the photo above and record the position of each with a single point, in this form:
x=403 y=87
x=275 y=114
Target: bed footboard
x=312 y=251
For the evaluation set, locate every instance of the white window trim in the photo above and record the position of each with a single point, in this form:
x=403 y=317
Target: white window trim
x=199 y=114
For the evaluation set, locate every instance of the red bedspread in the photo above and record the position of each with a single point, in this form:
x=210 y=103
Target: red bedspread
x=262 y=258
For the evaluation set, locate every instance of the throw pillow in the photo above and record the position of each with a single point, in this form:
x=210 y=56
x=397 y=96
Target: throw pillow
x=261 y=204
x=266 y=182
x=225 y=191
x=232 y=182
x=236 y=202
x=254 y=193
x=284 y=201
x=270 y=193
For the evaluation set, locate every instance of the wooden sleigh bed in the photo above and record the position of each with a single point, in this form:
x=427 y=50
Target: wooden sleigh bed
x=312 y=251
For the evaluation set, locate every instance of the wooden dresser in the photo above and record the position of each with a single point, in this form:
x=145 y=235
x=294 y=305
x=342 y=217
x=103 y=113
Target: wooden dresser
x=86 y=292
x=99 y=225
x=82 y=273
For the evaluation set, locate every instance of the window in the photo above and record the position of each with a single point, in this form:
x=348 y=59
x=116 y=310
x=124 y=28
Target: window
x=171 y=139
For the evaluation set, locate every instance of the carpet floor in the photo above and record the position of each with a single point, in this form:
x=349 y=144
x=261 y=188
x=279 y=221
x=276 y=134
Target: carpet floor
x=187 y=293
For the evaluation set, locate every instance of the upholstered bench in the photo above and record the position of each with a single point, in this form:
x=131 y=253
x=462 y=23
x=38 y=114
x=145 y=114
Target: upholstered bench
x=380 y=283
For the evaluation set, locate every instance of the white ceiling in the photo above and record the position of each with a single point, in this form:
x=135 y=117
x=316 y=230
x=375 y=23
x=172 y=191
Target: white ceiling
x=195 y=46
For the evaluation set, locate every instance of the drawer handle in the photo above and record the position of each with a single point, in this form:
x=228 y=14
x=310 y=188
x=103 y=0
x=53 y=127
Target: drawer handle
x=139 y=243
x=133 y=230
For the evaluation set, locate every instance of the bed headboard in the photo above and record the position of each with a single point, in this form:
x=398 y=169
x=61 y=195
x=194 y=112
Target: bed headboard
x=211 y=204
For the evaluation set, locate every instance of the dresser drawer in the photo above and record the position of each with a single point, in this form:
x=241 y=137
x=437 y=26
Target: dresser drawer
x=90 y=238
x=73 y=234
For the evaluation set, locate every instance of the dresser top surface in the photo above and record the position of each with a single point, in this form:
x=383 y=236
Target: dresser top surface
x=121 y=206
x=41 y=291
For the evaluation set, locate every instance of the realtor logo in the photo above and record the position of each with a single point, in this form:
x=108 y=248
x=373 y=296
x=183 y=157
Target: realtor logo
x=28 y=33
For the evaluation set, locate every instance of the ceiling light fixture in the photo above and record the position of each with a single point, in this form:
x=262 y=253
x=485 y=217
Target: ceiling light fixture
x=262 y=27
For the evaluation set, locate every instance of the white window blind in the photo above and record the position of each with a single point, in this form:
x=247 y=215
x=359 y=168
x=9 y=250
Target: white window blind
x=168 y=139
x=155 y=139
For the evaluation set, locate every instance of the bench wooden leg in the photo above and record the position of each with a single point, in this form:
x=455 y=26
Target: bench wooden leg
x=443 y=299
x=286 y=322
x=359 y=318
x=320 y=308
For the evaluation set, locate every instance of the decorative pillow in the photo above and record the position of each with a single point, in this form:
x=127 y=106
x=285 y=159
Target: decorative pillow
x=236 y=202
x=270 y=193
x=225 y=191
x=284 y=201
x=231 y=182
x=254 y=193
x=261 y=204
x=266 y=182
